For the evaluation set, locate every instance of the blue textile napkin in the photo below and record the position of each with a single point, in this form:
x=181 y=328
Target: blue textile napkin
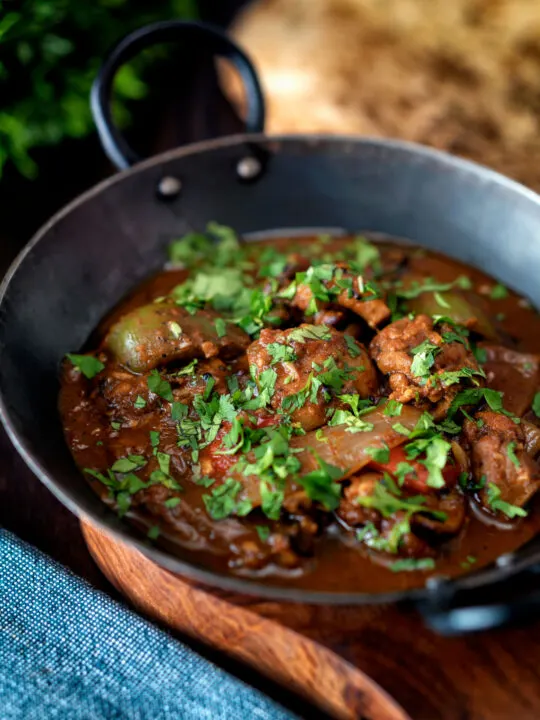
x=69 y=652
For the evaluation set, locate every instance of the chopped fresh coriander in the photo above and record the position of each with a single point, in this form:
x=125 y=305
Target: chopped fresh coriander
x=128 y=464
x=355 y=424
x=164 y=462
x=271 y=501
x=498 y=292
x=493 y=497
x=139 y=403
x=511 y=452
x=416 y=289
x=464 y=282
x=388 y=503
x=188 y=369
x=205 y=481
x=480 y=354
x=392 y=408
x=179 y=411
x=413 y=565
x=310 y=332
x=172 y=502
x=321 y=485
x=222 y=502
x=154 y=438
x=401 y=429
x=440 y=300
x=153 y=532
x=536 y=405
x=263 y=531
x=159 y=386
x=320 y=436
x=352 y=346
x=175 y=329
x=221 y=327
x=99 y=443
x=424 y=358
x=116 y=425
x=379 y=454
x=88 y=365
x=281 y=353
x=451 y=377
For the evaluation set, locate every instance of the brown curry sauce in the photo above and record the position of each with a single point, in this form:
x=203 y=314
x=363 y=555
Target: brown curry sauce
x=332 y=560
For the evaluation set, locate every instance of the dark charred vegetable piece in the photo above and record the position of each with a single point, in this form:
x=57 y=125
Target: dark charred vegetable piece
x=458 y=308
x=163 y=332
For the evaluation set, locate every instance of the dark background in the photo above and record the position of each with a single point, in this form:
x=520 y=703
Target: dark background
x=185 y=104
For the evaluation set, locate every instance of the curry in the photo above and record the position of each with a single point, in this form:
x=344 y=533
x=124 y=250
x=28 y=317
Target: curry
x=334 y=413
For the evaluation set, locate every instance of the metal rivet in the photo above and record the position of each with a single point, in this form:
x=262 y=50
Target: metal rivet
x=169 y=186
x=504 y=560
x=248 y=168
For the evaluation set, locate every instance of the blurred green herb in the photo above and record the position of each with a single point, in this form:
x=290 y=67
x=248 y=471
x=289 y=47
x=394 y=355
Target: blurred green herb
x=50 y=51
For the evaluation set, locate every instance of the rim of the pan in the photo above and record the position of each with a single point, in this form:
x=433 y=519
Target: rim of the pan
x=128 y=535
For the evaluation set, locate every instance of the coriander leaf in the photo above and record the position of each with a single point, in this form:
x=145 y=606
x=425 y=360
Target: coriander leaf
x=154 y=438
x=129 y=463
x=511 y=452
x=281 y=353
x=320 y=485
x=172 y=502
x=271 y=501
x=153 y=532
x=179 y=411
x=188 y=369
x=352 y=346
x=263 y=532
x=164 y=462
x=480 y=354
x=498 y=292
x=424 y=358
x=379 y=454
x=536 y=405
x=221 y=327
x=139 y=403
x=310 y=332
x=412 y=564
x=159 y=386
x=88 y=365
x=392 y=408
x=222 y=502
x=493 y=497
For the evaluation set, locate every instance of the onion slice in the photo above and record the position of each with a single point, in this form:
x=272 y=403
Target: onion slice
x=339 y=447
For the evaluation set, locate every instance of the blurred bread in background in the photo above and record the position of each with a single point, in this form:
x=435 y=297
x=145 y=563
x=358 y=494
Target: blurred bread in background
x=461 y=75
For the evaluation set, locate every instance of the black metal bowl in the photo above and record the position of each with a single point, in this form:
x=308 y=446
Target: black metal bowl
x=86 y=258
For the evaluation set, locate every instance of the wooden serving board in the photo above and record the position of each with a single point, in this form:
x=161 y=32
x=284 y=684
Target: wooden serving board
x=371 y=663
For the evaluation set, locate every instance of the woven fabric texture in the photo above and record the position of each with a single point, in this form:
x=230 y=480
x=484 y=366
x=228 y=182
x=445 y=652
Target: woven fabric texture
x=69 y=652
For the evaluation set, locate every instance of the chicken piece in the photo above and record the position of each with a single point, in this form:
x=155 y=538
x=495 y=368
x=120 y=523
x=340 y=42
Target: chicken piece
x=313 y=364
x=160 y=333
x=498 y=457
x=396 y=347
x=331 y=279
x=515 y=374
